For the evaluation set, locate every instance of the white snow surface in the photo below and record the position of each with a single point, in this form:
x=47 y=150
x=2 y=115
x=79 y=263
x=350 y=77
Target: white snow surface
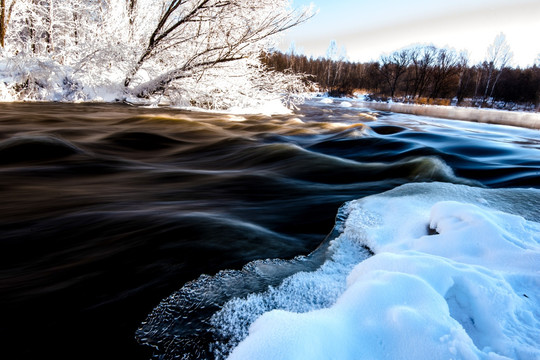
x=470 y=290
x=42 y=79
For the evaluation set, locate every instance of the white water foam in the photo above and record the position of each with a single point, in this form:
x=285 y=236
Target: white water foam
x=455 y=275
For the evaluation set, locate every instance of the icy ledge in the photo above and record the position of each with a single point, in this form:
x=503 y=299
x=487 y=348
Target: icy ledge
x=488 y=116
x=455 y=275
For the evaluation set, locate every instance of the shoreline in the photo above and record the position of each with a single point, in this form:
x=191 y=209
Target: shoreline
x=487 y=116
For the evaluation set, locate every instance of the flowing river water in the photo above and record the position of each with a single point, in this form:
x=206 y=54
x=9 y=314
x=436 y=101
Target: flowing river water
x=106 y=210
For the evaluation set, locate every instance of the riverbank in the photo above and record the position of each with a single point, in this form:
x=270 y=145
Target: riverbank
x=488 y=116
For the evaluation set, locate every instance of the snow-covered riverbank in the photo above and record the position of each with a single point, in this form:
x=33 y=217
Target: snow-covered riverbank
x=489 y=116
x=454 y=276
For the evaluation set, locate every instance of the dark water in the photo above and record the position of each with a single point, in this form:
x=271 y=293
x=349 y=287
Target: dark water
x=107 y=209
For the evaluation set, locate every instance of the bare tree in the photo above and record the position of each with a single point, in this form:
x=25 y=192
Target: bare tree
x=446 y=65
x=464 y=76
x=331 y=58
x=392 y=67
x=421 y=60
x=498 y=57
x=334 y=64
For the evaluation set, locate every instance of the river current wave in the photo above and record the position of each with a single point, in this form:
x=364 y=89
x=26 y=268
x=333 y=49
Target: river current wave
x=108 y=209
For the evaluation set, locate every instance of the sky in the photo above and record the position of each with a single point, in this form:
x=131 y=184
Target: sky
x=365 y=29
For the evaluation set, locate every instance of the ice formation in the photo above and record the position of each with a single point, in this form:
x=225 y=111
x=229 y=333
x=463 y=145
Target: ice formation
x=455 y=275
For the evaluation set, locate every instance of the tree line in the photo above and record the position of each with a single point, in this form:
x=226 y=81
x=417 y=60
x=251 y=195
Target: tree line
x=423 y=74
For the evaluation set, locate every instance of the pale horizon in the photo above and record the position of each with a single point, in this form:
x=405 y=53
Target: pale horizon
x=367 y=30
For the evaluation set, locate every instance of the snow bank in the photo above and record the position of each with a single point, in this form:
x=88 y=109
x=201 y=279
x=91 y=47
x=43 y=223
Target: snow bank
x=242 y=88
x=489 y=116
x=455 y=275
x=43 y=79
x=268 y=108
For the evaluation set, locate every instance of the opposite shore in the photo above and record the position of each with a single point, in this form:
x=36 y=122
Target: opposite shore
x=488 y=116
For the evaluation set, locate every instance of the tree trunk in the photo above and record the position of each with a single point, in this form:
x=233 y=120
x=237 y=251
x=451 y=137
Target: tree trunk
x=495 y=83
x=49 y=34
x=489 y=76
x=2 y=22
x=131 y=13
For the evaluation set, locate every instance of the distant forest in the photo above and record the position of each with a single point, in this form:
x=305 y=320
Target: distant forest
x=424 y=75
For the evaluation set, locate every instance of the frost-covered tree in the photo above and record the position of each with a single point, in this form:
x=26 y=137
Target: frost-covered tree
x=59 y=49
x=144 y=48
x=192 y=36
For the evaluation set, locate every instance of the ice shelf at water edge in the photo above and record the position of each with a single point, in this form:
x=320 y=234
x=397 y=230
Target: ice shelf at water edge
x=455 y=275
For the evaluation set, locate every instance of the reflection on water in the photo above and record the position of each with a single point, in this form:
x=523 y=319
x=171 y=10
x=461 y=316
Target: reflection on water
x=107 y=209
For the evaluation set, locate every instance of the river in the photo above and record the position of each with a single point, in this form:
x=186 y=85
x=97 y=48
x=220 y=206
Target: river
x=107 y=209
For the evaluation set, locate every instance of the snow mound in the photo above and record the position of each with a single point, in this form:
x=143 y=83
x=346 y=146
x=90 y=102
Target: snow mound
x=455 y=275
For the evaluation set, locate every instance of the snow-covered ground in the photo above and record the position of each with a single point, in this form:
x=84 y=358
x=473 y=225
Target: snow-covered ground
x=455 y=275
x=43 y=79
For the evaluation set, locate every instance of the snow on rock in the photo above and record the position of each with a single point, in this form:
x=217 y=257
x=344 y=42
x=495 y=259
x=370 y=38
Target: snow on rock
x=269 y=108
x=327 y=100
x=455 y=275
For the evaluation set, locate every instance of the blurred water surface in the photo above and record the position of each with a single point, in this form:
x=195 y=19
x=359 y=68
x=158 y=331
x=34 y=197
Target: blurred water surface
x=107 y=209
